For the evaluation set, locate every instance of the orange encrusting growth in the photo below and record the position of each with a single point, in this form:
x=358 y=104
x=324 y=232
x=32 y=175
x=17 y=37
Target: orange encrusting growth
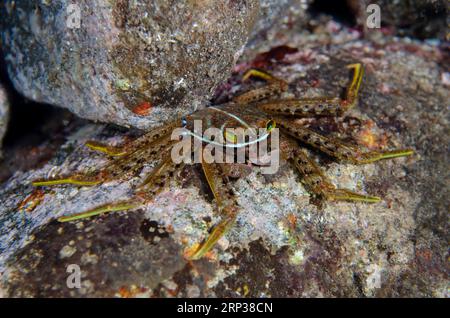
x=143 y=109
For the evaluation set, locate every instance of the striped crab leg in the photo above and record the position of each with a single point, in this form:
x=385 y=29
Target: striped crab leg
x=126 y=161
x=319 y=106
x=274 y=87
x=156 y=182
x=226 y=205
x=136 y=144
x=336 y=148
x=313 y=178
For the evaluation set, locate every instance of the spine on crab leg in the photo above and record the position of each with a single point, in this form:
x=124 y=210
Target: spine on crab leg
x=274 y=87
x=315 y=180
x=336 y=148
x=319 y=106
x=226 y=205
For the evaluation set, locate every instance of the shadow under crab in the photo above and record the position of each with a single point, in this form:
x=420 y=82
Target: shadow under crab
x=258 y=108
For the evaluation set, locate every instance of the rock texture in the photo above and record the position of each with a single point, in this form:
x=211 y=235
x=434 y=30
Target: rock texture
x=282 y=245
x=275 y=16
x=419 y=18
x=4 y=114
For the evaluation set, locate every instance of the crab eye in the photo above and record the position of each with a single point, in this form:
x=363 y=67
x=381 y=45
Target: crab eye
x=270 y=125
x=183 y=122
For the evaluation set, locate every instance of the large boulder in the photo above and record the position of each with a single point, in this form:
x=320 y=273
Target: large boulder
x=133 y=63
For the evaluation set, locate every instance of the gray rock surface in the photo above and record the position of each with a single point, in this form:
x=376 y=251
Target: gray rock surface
x=275 y=16
x=419 y=18
x=4 y=114
x=282 y=245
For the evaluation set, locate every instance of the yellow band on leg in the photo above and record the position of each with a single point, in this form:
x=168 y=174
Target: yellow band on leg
x=258 y=74
x=100 y=210
x=347 y=195
x=112 y=151
x=353 y=89
x=64 y=181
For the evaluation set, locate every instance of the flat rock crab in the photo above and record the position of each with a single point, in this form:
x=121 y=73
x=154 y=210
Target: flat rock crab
x=263 y=115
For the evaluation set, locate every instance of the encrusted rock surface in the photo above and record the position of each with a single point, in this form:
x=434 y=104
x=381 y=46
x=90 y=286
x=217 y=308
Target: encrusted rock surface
x=282 y=245
x=419 y=18
x=4 y=114
x=276 y=15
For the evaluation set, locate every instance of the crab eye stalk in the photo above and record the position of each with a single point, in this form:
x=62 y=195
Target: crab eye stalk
x=270 y=125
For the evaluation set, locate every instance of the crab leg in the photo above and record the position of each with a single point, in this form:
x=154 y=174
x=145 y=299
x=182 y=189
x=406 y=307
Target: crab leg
x=153 y=135
x=139 y=143
x=275 y=86
x=214 y=178
x=134 y=162
x=320 y=106
x=159 y=177
x=153 y=184
x=226 y=204
x=106 y=208
x=122 y=165
x=336 y=148
x=74 y=179
x=315 y=180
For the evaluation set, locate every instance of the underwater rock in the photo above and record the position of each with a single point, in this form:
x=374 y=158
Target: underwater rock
x=4 y=114
x=420 y=18
x=276 y=15
x=282 y=245
x=133 y=63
